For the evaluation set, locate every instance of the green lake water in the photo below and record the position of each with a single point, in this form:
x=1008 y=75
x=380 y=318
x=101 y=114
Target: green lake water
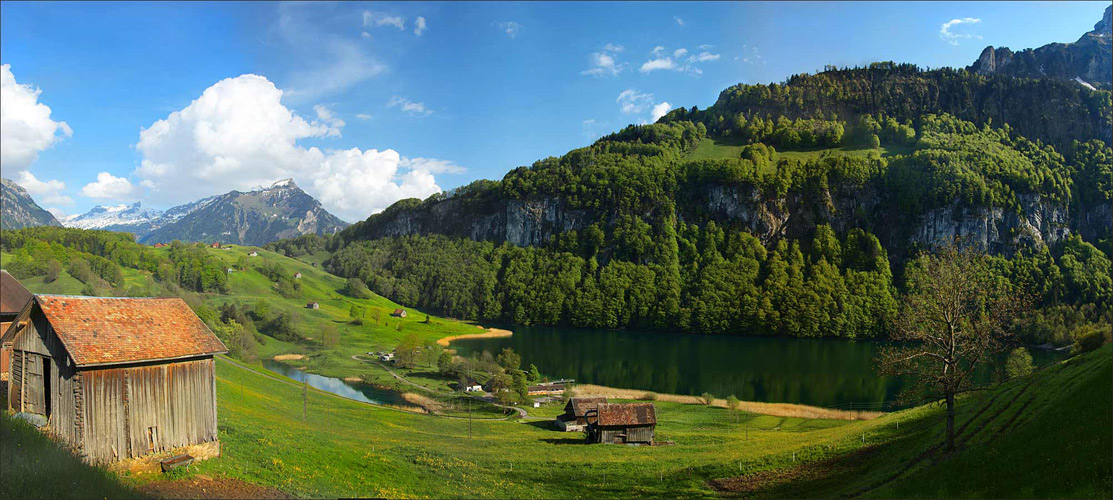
x=822 y=372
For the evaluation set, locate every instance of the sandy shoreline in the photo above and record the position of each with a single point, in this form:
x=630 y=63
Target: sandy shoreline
x=775 y=409
x=490 y=333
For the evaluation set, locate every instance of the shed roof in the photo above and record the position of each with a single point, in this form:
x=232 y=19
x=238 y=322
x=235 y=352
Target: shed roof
x=13 y=295
x=102 y=330
x=627 y=414
x=581 y=405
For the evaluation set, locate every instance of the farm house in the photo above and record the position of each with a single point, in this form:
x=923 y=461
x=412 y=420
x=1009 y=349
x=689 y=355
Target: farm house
x=573 y=417
x=622 y=423
x=115 y=378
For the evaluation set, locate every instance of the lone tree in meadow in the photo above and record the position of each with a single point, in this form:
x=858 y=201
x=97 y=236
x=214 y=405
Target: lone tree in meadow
x=953 y=318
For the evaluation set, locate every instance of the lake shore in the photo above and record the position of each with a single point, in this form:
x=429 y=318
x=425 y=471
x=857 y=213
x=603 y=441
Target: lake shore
x=490 y=333
x=774 y=409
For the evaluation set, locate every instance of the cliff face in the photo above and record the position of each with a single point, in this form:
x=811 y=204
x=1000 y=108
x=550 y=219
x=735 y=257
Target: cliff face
x=1088 y=61
x=533 y=222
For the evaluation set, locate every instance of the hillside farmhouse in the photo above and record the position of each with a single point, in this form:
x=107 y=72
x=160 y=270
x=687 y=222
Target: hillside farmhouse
x=622 y=423
x=399 y=313
x=312 y=305
x=115 y=378
x=545 y=389
x=13 y=296
x=573 y=417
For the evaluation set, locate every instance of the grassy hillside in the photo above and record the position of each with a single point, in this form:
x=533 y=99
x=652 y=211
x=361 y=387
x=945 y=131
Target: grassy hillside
x=1058 y=418
x=67 y=284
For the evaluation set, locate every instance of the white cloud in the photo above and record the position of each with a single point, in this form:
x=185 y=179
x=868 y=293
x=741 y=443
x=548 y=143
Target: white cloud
x=413 y=108
x=432 y=165
x=605 y=62
x=678 y=20
x=631 y=101
x=396 y=21
x=43 y=191
x=367 y=18
x=704 y=57
x=239 y=135
x=750 y=55
x=656 y=64
x=108 y=187
x=657 y=50
x=324 y=61
x=953 y=38
x=679 y=52
x=365 y=35
x=511 y=28
x=706 y=46
x=419 y=25
x=325 y=115
x=660 y=109
x=26 y=128
x=363 y=116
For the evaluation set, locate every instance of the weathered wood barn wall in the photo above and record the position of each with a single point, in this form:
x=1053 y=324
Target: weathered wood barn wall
x=13 y=296
x=116 y=378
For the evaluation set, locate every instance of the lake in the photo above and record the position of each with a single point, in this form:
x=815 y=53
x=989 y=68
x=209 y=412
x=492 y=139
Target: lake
x=352 y=390
x=821 y=372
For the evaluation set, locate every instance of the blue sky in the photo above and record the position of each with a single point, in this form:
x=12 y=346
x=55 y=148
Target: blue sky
x=363 y=104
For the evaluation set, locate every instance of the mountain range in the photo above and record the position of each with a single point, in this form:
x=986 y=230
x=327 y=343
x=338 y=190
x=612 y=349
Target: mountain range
x=1086 y=61
x=254 y=217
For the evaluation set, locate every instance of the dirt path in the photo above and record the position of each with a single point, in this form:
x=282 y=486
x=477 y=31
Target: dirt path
x=774 y=409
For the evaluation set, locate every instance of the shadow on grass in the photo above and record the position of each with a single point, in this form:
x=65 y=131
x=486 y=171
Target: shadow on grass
x=565 y=441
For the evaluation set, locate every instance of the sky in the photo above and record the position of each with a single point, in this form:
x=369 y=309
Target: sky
x=366 y=103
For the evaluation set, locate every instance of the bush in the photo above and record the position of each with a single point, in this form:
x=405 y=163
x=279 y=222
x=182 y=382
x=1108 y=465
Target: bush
x=707 y=398
x=649 y=396
x=1019 y=363
x=1089 y=338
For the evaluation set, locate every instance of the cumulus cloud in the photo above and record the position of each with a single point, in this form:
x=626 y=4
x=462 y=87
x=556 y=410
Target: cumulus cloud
x=419 y=25
x=49 y=191
x=660 y=109
x=370 y=19
x=239 y=135
x=657 y=64
x=363 y=116
x=605 y=62
x=511 y=28
x=953 y=38
x=413 y=108
x=108 y=187
x=26 y=128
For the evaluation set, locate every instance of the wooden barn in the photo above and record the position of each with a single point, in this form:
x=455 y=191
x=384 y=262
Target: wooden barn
x=399 y=313
x=622 y=423
x=13 y=296
x=115 y=378
x=573 y=417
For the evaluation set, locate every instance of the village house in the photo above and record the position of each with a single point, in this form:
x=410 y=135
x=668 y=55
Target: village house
x=399 y=313
x=253 y=254
x=313 y=305
x=230 y=270
x=573 y=417
x=13 y=296
x=622 y=423
x=116 y=378
x=215 y=245
x=471 y=385
x=297 y=276
x=545 y=389
x=160 y=245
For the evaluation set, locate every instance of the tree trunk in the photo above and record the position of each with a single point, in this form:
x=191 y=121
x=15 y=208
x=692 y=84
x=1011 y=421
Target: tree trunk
x=950 y=421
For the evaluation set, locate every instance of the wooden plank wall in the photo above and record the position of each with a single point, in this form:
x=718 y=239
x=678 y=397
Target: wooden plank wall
x=15 y=383
x=149 y=408
x=38 y=346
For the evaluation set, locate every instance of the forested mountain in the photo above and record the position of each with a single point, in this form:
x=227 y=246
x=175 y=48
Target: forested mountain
x=18 y=210
x=256 y=217
x=790 y=209
x=1088 y=61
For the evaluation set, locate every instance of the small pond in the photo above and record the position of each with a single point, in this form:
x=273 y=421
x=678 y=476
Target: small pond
x=358 y=391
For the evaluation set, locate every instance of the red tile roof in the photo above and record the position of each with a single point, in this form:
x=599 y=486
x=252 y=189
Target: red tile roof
x=627 y=414
x=13 y=295
x=100 y=331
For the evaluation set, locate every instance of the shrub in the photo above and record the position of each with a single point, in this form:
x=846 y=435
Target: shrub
x=649 y=396
x=707 y=398
x=1089 y=338
x=1019 y=363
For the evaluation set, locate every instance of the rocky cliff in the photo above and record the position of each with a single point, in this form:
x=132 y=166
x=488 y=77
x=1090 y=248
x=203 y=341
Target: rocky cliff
x=1089 y=60
x=18 y=210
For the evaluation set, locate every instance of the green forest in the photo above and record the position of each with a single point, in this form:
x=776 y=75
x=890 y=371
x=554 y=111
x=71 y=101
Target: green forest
x=656 y=256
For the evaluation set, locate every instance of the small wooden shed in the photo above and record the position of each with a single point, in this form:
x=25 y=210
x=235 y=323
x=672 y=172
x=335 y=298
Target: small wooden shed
x=399 y=313
x=312 y=305
x=115 y=378
x=573 y=417
x=13 y=296
x=622 y=423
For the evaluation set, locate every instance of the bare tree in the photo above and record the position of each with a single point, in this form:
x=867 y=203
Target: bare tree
x=953 y=318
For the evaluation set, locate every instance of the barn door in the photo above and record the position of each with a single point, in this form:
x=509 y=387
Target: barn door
x=34 y=386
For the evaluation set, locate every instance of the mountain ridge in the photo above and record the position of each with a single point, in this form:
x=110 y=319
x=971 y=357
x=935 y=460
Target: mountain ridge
x=20 y=210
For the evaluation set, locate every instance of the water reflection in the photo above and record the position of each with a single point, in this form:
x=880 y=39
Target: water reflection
x=824 y=372
x=351 y=390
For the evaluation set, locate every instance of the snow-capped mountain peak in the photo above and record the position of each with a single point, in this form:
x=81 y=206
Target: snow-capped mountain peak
x=101 y=217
